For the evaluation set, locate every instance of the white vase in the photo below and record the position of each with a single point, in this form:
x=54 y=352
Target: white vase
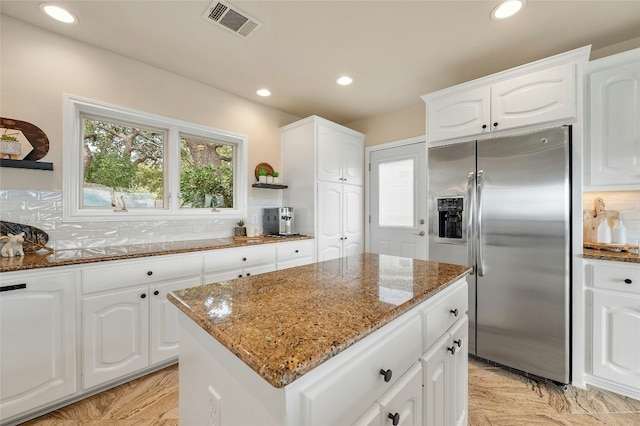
x=604 y=231
x=276 y=179
x=619 y=233
x=262 y=179
x=269 y=179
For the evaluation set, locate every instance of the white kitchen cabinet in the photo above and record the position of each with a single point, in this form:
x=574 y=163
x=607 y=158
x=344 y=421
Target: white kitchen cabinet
x=614 y=289
x=126 y=323
x=340 y=156
x=325 y=164
x=613 y=111
x=223 y=265
x=445 y=363
x=38 y=350
x=540 y=94
x=294 y=253
x=340 y=225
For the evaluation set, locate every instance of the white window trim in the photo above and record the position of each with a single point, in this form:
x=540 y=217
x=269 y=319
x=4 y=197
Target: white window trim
x=72 y=180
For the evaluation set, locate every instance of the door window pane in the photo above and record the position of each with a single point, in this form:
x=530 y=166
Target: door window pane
x=206 y=173
x=395 y=193
x=123 y=165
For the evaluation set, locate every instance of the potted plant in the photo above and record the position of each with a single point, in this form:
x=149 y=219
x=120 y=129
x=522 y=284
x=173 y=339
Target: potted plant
x=269 y=179
x=240 y=230
x=276 y=177
x=262 y=176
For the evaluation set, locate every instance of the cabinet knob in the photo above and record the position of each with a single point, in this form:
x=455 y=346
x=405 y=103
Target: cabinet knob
x=484 y=126
x=452 y=349
x=143 y=295
x=627 y=281
x=149 y=273
x=458 y=342
x=155 y=293
x=495 y=124
x=297 y=251
x=454 y=312
x=248 y=274
x=244 y=259
x=395 y=418
x=387 y=374
x=240 y=276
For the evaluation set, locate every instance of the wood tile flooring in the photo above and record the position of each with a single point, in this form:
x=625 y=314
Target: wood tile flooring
x=496 y=397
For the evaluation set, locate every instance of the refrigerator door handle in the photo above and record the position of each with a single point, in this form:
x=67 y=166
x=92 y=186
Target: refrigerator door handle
x=480 y=184
x=470 y=245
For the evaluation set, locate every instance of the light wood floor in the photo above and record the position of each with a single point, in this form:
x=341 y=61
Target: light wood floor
x=496 y=397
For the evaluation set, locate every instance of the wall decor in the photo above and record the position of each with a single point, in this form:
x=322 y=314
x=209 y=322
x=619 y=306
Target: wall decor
x=22 y=144
x=34 y=238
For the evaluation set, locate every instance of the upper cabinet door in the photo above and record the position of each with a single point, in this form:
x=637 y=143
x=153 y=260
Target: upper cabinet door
x=614 y=137
x=459 y=115
x=329 y=154
x=544 y=96
x=352 y=160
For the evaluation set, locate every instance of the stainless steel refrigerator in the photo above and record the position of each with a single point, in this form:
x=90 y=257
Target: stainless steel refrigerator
x=503 y=207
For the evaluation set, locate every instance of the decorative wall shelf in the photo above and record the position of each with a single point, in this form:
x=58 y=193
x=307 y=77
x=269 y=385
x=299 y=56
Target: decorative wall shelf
x=269 y=185
x=25 y=164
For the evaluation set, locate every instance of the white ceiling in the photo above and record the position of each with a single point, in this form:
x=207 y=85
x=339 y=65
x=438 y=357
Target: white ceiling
x=395 y=50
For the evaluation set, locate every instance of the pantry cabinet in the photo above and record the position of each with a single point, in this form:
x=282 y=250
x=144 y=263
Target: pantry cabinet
x=613 y=111
x=127 y=325
x=38 y=350
x=326 y=164
x=541 y=94
x=614 y=315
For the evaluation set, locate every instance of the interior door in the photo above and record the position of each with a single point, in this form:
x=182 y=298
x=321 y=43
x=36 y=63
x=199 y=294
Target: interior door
x=398 y=201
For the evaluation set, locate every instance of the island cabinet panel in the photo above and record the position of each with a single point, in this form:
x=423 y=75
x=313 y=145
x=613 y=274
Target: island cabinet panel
x=294 y=253
x=38 y=347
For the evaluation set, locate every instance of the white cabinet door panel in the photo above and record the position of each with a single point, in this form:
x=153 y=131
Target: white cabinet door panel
x=404 y=399
x=459 y=114
x=352 y=160
x=37 y=352
x=329 y=160
x=329 y=220
x=352 y=222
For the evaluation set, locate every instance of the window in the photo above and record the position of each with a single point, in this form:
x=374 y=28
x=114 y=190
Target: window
x=121 y=163
x=395 y=193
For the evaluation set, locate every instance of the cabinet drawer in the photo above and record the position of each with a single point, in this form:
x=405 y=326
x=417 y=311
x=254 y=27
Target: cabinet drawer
x=617 y=277
x=126 y=273
x=439 y=318
x=239 y=258
x=294 y=250
x=348 y=390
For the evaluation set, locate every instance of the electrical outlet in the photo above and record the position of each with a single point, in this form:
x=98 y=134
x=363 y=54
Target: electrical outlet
x=254 y=218
x=28 y=219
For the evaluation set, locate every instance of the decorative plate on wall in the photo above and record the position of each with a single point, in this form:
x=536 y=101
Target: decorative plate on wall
x=266 y=167
x=34 y=238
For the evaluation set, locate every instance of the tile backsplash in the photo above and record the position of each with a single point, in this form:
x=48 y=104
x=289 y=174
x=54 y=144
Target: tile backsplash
x=45 y=209
x=625 y=202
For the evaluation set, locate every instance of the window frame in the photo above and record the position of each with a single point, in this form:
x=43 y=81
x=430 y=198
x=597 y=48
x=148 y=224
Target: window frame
x=72 y=173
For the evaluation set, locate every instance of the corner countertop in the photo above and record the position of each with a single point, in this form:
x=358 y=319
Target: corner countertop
x=43 y=259
x=611 y=255
x=282 y=324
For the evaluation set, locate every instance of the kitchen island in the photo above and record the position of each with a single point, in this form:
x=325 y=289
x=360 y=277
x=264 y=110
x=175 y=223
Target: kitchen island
x=334 y=342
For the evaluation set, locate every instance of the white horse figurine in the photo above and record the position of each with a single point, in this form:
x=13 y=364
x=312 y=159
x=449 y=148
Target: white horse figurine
x=12 y=245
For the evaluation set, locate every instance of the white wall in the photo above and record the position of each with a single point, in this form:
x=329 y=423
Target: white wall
x=38 y=67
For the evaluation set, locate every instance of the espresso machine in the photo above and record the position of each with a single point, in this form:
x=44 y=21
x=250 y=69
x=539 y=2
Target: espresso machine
x=278 y=221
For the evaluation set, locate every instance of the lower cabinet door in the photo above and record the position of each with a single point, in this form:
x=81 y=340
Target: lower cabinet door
x=460 y=372
x=37 y=352
x=371 y=417
x=163 y=324
x=616 y=341
x=437 y=383
x=115 y=335
x=402 y=403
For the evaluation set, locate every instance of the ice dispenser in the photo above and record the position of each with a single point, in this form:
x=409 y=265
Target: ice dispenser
x=450 y=217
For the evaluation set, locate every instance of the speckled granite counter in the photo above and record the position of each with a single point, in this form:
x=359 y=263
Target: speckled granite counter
x=43 y=259
x=283 y=324
x=611 y=255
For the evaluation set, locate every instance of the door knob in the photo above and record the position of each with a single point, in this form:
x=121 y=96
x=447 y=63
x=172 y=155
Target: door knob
x=421 y=233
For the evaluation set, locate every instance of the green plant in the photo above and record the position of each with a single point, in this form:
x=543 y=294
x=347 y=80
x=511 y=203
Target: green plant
x=8 y=138
x=262 y=172
x=276 y=174
x=241 y=223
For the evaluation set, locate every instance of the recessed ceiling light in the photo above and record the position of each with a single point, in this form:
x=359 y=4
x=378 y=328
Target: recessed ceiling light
x=58 y=13
x=507 y=8
x=263 y=92
x=345 y=80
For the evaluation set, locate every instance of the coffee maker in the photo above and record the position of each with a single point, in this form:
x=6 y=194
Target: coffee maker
x=278 y=221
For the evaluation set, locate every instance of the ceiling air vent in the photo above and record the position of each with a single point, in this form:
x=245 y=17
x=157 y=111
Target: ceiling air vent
x=232 y=18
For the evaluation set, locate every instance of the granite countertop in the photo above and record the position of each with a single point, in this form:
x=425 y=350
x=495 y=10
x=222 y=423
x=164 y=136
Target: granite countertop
x=283 y=324
x=43 y=259
x=611 y=255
